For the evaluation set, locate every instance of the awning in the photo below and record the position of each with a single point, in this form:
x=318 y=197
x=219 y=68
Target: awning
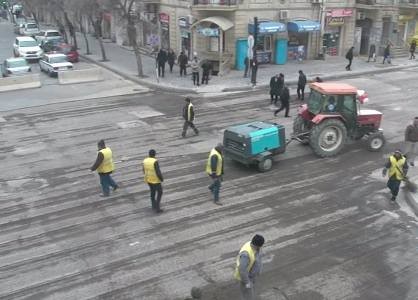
x=222 y=22
x=267 y=27
x=303 y=26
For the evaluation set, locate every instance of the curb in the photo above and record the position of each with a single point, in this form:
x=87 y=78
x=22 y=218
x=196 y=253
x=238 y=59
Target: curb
x=261 y=87
x=138 y=80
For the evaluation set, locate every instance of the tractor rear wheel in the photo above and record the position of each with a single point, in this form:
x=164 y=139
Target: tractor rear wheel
x=299 y=126
x=328 y=137
x=375 y=141
x=265 y=164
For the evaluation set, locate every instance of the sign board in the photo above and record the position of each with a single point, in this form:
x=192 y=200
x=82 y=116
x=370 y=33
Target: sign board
x=183 y=22
x=205 y=31
x=335 y=21
x=340 y=12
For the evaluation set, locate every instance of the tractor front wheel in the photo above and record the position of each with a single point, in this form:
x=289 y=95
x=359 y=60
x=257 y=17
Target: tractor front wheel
x=328 y=137
x=265 y=164
x=375 y=141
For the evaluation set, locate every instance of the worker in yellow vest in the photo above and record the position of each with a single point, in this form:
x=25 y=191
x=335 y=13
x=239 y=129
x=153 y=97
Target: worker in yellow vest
x=215 y=169
x=398 y=168
x=248 y=266
x=154 y=178
x=188 y=116
x=104 y=166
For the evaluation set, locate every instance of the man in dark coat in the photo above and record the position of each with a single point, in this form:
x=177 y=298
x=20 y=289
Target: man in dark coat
x=182 y=61
x=254 y=68
x=274 y=89
x=386 y=55
x=188 y=116
x=301 y=85
x=412 y=49
x=349 y=56
x=206 y=67
x=372 y=53
x=284 y=99
x=171 y=58
x=161 y=60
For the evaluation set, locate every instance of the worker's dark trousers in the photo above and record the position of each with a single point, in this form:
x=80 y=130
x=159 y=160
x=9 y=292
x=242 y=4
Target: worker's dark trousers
x=215 y=187
x=394 y=184
x=106 y=181
x=186 y=125
x=155 y=188
x=285 y=105
x=301 y=92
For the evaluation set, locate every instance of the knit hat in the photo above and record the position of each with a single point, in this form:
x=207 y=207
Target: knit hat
x=258 y=240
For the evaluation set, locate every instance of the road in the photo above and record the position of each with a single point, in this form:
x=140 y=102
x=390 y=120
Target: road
x=330 y=230
x=51 y=91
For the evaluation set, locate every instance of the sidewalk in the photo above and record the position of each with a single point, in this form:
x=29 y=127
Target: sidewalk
x=122 y=61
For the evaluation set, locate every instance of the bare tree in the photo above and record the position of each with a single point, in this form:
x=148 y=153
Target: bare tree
x=125 y=9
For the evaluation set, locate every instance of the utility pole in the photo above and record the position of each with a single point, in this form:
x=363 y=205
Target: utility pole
x=254 y=64
x=322 y=16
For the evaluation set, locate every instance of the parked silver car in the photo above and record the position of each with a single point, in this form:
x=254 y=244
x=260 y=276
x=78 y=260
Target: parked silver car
x=29 y=29
x=15 y=66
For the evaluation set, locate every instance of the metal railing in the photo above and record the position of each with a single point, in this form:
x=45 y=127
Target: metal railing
x=216 y=2
x=377 y=2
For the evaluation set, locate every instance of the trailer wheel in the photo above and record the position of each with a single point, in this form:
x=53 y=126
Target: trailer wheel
x=265 y=164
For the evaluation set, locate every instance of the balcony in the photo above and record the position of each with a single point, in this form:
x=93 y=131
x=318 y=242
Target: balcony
x=223 y=5
x=375 y=2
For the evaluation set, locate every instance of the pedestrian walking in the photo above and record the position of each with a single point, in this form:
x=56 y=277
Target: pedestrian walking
x=161 y=60
x=411 y=141
x=195 y=64
x=254 y=68
x=372 y=53
x=284 y=99
x=412 y=49
x=206 y=68
x=188 y=116
x=386 y=55
x=349 y=56
x=183 y=61
x=171 y=58
x=215 y=169
x=274 y=89
x=104 y=166
x=398 y=168
x=248 y=266
x=301 y=85
x=154 y=178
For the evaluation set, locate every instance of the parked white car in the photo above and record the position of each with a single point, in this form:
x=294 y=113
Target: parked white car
x=27 y=47
x=54 y=63
x=47 y=35
x=29 y=29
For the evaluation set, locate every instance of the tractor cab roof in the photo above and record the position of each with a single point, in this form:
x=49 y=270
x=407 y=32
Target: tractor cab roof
x=334 y=88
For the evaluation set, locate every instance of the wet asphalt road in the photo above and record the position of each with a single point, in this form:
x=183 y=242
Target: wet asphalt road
x=330 y=231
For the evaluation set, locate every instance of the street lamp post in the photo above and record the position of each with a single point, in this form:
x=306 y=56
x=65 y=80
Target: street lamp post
x=322 y=16
x=254 y=64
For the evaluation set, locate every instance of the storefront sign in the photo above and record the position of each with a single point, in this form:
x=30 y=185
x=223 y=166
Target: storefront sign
x=164 y=18
x=341 y=12
x=183 y=22
x=335 y=21
x=208 y=31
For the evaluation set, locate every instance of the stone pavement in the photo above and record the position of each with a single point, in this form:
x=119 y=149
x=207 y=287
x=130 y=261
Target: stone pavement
x=122 y=61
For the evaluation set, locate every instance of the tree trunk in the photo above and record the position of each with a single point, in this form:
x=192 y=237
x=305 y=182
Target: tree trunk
x=132 y=40
x=96 y=26
x=83 y=31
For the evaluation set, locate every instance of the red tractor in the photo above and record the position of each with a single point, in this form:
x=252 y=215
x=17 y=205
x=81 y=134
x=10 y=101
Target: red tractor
x=332 y=115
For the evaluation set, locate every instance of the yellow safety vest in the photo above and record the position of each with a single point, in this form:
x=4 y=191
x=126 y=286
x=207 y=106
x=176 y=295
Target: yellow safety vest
x=149 y=170
x=219 y=164
x=251 y=254
x=107 y=164
x=396 y=167
x=189 y=112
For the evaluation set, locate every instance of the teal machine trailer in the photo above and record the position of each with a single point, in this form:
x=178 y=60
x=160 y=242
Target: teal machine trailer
x=255 y=143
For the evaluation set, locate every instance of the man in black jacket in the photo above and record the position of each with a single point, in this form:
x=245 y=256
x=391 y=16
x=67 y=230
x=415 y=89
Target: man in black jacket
x=349 y=56
x=301 y=85
x=206 y=67
x=161 y=60
x=182 y=61
x=274 y=89
x=188 y=116
x=284 y=99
